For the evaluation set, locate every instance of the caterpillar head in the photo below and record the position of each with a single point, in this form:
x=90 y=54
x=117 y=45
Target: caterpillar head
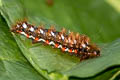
x=93 y=50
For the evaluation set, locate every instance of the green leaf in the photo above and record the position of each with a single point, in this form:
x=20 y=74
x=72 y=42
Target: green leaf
x=13 y=65
x=105 y=75
x=96 y=19
x=115 y=76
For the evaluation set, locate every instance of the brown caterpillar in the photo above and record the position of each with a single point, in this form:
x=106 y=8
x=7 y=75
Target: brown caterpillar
x=76 y=44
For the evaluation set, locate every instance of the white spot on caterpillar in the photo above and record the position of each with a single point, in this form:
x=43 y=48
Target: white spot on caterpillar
x=18 y=25
x=87 y=43
x=41 y=40
x=60 y=46
x=75 y=41
x=83 y=45
x=66 y=49
x=41 y=31
x=52 y=33
x=31 y=37
x=23 y=33
x=73 y=51
x=24 y=25
x=62 y=37
x=31 y=29
x=51 y=43
x=95 y=53
x=69 y=40
x=89 y=53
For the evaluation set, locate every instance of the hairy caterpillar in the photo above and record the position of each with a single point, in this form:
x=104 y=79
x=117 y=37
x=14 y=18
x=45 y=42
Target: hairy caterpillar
x=76 y=44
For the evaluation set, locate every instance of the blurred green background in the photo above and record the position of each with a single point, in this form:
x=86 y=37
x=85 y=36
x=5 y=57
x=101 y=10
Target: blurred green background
x=99 y=19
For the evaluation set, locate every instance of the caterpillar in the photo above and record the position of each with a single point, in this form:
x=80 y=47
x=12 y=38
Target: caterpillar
x=73 y=43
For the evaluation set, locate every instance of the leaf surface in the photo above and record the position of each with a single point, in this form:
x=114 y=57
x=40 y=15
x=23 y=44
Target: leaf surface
x=96 y=19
